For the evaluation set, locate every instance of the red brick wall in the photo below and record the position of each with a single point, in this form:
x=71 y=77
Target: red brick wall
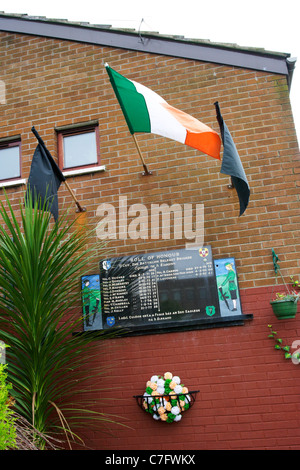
x=248 y=393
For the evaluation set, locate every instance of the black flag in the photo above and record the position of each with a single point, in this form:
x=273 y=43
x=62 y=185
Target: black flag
x=232 y=165
x=45 y=177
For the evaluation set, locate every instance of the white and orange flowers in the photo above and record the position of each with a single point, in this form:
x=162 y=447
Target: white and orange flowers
x=165 y=398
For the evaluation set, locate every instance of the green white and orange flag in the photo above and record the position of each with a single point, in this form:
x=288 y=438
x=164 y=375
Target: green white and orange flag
x=145 y=111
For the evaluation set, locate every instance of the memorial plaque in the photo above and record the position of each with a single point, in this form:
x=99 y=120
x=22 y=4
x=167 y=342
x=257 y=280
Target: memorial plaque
x=159 y=290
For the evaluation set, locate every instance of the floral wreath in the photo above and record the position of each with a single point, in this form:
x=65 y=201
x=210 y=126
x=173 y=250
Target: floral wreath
x=166 y=398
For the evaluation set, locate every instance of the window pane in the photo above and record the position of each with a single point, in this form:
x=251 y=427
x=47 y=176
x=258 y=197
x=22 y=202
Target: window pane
x=9 y=163
x=80 y=150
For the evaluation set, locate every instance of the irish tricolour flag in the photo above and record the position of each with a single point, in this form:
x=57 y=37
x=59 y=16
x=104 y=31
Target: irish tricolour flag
x=145 y=111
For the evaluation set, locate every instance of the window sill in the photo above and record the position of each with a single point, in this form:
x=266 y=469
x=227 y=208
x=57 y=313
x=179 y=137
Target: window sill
x=83 y=171
x=6 y=184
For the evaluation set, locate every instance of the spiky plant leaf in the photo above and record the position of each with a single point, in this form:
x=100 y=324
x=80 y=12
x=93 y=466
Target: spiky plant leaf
x=40 y=267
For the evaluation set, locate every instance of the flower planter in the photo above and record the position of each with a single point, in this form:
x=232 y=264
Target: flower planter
x=166 y=398
x=284 y=308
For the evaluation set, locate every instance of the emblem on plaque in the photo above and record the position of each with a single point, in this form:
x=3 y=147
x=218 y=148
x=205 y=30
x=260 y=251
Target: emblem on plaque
x=204 y=252
x=210 y=310
x=106 y=264
x=110 y=321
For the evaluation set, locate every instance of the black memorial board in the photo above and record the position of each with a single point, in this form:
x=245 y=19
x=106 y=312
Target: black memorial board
x=159 y=290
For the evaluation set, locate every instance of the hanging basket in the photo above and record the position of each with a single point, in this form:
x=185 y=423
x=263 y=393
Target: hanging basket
x=284 y=309
x=166 y=398
x=157 y=408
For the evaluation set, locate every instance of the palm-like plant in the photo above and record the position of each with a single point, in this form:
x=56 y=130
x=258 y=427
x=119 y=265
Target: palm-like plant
x=40 y=267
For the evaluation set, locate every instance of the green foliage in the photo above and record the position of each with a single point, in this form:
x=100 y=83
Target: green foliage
x=286 y=349
x=40 y=268
x=292 y=297
x=295 y=282
x=7 y=419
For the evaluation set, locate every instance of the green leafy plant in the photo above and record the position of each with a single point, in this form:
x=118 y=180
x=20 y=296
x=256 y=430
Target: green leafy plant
x=286 y=349
x=8 y=433
x=48 y=364
x=16 y=433
x=288 y=295
x=295 y=282
x=292 y=297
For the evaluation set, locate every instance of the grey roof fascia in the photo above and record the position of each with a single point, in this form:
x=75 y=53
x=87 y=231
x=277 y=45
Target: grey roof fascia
x=261 y=61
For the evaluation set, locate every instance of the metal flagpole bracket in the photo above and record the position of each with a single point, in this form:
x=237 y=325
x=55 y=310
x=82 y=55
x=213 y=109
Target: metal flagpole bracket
x=146 y=172
x=81 y=209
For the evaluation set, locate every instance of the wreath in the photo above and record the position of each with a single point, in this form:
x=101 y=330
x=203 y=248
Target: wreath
x=166 y=398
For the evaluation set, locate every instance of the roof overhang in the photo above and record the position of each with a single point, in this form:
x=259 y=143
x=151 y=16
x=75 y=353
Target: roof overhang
x=261 y=60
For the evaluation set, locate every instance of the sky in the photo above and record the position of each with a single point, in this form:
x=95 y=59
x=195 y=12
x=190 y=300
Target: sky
x=269 y=24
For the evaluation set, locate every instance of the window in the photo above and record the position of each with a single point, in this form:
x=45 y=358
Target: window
x=78 y=147
x=10 y=159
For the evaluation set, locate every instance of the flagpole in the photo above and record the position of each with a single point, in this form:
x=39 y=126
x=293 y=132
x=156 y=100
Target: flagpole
x=147 y=172
x=81 y=209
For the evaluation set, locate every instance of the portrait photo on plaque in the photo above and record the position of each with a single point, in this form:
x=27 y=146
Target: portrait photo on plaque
x=91 y=302
x=228 y=289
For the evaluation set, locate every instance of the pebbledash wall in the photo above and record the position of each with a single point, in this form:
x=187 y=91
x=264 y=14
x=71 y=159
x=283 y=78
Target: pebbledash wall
x=249 y=394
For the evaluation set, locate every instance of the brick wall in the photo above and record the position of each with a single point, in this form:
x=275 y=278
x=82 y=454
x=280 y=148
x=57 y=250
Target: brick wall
x=248 y=395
